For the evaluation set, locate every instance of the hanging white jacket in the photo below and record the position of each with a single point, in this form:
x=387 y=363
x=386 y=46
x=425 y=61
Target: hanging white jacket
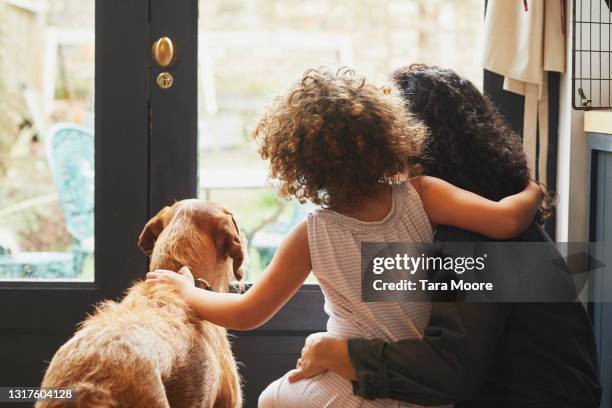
x=523 y=39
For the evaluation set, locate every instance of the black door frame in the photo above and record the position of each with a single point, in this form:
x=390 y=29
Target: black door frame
x=173 y=148
x=36 y=318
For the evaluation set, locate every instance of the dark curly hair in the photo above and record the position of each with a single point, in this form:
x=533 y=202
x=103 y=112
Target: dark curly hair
x=470 y=144
x=333 y=138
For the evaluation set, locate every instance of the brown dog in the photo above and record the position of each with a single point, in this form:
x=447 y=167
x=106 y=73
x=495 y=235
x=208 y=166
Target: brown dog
x=150 y=350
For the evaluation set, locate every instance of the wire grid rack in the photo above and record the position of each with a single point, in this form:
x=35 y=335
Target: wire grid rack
x=592 y=54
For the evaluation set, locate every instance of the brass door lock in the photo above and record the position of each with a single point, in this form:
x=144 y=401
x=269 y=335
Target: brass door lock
x=165 y=80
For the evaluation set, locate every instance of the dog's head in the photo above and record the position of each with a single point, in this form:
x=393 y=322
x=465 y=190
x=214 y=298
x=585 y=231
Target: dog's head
x=199 y=234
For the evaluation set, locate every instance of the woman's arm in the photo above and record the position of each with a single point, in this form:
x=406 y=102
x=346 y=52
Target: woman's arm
x=446 y=204
x=281 y=279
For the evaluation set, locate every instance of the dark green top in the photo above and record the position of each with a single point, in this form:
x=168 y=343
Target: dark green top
x=487 y=354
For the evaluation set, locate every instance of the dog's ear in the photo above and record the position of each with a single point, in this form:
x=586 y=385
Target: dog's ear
x=148 y=236
x=229 y=243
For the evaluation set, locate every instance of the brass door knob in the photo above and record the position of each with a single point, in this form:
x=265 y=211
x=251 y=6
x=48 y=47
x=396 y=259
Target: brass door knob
x=164 y=52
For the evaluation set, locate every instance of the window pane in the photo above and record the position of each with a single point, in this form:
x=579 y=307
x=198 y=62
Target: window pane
x=46 y=139
x=251 y=50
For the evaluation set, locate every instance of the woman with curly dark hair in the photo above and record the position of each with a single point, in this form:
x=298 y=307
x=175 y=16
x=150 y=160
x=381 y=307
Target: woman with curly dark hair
x=470 y=144
x=476 y=355
x=338 y=141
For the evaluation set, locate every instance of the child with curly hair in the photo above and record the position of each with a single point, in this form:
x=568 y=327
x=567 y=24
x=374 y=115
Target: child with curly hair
x=340 y=142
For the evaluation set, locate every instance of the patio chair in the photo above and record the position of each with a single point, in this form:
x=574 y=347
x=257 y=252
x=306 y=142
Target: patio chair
x=70 y=152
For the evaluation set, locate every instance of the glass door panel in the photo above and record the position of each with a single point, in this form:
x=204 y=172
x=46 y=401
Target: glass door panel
x=46 y=140
x=47 y=171
x=250 y=51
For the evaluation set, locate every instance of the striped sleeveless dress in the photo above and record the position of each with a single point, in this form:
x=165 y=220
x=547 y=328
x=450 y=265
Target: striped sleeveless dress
x=334 y=241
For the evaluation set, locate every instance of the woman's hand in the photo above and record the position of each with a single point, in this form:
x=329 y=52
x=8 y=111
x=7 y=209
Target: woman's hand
x=183 y=280
x=323 y=352
x=311 y=363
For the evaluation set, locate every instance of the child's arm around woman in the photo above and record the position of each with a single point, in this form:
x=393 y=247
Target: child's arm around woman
x=446 y=204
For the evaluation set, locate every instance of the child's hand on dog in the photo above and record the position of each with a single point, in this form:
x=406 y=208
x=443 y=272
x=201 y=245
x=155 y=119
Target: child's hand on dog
x=182 y=280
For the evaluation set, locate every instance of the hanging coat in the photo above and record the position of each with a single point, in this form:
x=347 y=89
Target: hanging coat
x=523 y=40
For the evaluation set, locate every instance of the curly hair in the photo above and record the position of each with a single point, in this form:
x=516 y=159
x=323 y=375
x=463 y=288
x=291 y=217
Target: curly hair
x=470 y=144
x=333 y=138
